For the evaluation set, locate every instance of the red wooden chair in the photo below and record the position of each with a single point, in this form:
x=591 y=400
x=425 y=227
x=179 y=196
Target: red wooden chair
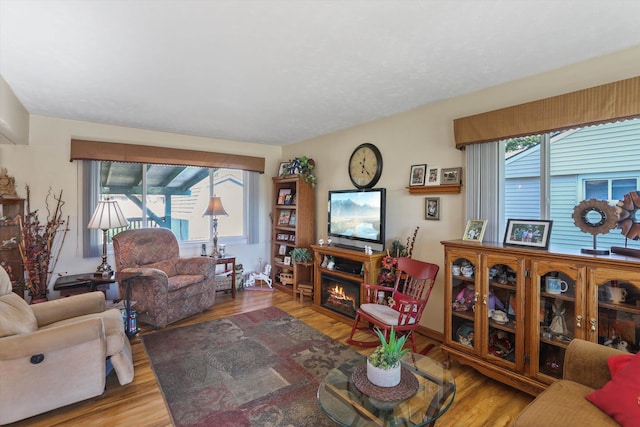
x=414 y=281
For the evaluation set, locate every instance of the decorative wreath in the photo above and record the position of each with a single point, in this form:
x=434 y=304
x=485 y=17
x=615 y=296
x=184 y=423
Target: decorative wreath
x=627 y=209
x=608 y=216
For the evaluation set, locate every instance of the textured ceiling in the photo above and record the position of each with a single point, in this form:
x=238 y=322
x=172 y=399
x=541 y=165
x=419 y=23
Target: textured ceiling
x=279 y=72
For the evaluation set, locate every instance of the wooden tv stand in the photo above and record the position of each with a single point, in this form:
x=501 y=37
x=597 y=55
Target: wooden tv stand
x=369 y=271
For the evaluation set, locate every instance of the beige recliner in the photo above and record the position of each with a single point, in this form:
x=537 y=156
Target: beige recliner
x=54 y=353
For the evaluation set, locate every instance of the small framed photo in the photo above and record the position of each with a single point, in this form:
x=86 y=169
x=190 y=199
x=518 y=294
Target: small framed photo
x=292 y=220
x=282 y=250
x=418 y=174
x=432 y=208
x=283 y=169
x=292 y=237
x=282 y=195
x=451 y=176
x=287 y=260
x=433 y=176
x=284 y=217
x=528 y=232
x=475 y=230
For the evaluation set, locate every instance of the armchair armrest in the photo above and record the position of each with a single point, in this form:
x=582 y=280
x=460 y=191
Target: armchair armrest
x=204 y=266
x=66 y=308
x=585 y=362
x=56 y=338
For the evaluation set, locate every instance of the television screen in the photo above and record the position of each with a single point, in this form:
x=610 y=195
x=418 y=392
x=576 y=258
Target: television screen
x=357 y=217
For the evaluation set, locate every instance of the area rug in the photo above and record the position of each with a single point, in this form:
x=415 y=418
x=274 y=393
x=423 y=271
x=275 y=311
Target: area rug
x=260 y=368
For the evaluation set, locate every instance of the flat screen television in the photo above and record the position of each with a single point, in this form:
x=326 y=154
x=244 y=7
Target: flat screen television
x=357 y=218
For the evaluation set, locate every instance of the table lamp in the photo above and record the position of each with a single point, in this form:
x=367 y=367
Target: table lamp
x=106 y=216
x=215 y=209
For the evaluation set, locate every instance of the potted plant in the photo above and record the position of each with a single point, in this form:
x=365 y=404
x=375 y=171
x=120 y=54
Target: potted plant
x=383 y=365
x=301 y=255
x=302 y=166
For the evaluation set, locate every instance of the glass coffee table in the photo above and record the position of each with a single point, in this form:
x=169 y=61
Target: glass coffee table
x=341 y=398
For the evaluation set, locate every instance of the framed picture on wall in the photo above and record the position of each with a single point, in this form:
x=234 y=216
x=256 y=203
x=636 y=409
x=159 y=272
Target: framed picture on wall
x=451 y=176
x=433 y=176
x=432 y=208
x=417 y=176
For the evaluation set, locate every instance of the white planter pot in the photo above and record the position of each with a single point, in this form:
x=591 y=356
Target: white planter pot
x=383 y=377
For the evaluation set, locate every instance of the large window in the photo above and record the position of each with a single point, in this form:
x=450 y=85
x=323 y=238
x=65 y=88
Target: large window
x=600 y=162
x=174 y=197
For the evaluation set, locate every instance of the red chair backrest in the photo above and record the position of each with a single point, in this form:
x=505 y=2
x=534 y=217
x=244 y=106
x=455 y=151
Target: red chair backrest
x=415 y=278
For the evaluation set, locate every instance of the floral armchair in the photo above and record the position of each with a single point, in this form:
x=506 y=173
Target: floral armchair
x=165 y=287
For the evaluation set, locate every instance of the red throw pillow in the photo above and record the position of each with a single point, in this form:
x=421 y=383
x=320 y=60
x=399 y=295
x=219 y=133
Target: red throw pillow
x=616 y=363
x=620 y=397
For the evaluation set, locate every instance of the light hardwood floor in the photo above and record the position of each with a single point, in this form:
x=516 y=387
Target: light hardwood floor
x=479 y=401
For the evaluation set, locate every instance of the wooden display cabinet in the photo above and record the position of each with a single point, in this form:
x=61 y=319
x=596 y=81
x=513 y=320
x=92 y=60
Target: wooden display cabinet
x=526 y=350
x=10 y=237
x=294 y=204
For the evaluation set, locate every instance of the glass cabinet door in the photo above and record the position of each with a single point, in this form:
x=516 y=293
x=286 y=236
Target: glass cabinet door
x=463 y=301
x=503 y=311
x=616 y=321
x=560 y=316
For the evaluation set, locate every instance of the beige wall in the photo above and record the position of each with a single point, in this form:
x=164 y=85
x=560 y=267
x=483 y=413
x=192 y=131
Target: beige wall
x=44 y=163
x=425 y=135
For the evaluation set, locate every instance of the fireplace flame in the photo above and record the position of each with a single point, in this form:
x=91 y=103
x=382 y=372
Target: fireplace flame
x=337 y=293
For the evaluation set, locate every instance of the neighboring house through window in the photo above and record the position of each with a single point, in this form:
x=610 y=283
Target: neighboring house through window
x=600 y=162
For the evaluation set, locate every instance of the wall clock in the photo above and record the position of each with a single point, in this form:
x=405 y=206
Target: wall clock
x=365 y=166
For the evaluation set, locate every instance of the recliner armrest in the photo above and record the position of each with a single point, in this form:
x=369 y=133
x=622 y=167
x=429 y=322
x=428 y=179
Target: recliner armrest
x=52 y=339
x=204 y=266
x=66 y=308
x=585 y=362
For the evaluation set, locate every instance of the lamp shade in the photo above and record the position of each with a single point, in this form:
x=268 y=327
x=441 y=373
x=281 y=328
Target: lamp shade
x=215 y=207
x=107 y=216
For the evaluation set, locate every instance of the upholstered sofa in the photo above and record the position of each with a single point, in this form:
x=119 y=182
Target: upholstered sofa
x=55 y=353
x=563 y=403
x=165 y=287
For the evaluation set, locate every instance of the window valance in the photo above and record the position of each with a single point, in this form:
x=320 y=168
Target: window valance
x=613 y=101
x=116 y=152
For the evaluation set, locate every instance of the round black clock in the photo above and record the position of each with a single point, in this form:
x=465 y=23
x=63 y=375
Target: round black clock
x=365 y=166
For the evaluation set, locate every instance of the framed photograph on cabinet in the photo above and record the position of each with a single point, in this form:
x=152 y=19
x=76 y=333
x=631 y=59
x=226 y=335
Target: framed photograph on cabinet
x=287 y=260
x=292 y=220
x=527 y=232
x=432 y=208
x=282 y=250
x=433 y=176
x=475 y=230
x=417 y=176
x=292 y=237
x=451 y=176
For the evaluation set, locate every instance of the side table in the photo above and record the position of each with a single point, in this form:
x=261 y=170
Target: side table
x=229 y=260
x=81 y=283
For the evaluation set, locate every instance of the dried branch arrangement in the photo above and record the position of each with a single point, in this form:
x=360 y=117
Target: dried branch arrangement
x=41 y=243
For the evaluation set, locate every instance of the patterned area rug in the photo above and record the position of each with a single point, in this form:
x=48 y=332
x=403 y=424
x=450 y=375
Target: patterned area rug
x=260 y=368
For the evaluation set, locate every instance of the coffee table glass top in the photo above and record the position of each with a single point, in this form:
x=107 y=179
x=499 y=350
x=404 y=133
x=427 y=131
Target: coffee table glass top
x=341 y=400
